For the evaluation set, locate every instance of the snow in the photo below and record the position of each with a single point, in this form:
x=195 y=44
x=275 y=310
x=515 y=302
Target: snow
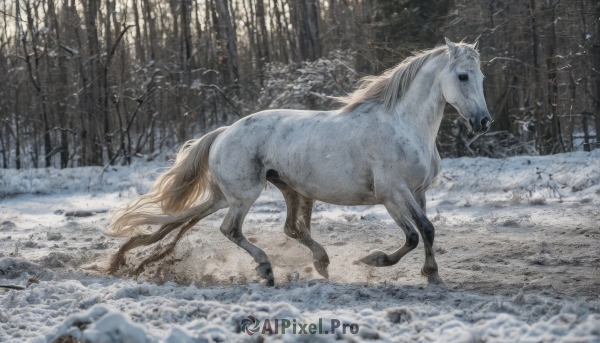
x=517 y=243
x=189 y=314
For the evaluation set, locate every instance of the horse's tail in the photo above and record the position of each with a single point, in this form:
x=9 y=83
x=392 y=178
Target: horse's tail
x=174 y=193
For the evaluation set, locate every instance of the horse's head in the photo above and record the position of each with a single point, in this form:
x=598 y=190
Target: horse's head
x=462 y=85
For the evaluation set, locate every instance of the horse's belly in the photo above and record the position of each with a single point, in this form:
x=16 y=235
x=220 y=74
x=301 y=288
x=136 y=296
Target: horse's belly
x=334 y=184
x=338 y=193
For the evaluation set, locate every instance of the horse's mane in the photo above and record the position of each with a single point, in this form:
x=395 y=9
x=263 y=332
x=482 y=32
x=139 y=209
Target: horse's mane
x=393 y=83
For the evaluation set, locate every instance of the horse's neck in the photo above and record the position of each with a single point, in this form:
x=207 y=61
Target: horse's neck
x=422 y=107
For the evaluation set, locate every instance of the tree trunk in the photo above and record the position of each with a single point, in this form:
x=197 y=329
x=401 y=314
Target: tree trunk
x=248 y=23
x=552 y=84
x=594 y=52
x=232 y=56
x=139 y=50
x=34 y=74
x=281 y=39
x=291 y=37
x=185 y=27
x=61 y=87
x=263 y=38
x=95 y=149
x=310 y=30
x=17 y=130
x=152 y=29
x=537 y=80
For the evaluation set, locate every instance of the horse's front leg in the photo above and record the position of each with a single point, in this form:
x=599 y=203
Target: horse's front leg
x=395 y=206
x=418 y=214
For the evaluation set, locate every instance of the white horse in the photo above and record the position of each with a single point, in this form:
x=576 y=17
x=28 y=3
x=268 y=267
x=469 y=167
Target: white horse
x=378 y=149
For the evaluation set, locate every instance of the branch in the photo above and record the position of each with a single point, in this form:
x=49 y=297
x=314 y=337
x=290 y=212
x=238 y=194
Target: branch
x=109 y=164
x=140 y=101
x=12 y=16
x=62 y=129
x=27 y=58
x=69 y=49
x=224 y=96
x=19 y=288
x=114 y=48
x=54 y=151
x=5 y=121
x=508 y=59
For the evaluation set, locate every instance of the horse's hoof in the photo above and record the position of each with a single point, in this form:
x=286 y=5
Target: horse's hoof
x=435 y=279
x=377 y=258
x=265 y=271
x=321 y=268
x=270 y=282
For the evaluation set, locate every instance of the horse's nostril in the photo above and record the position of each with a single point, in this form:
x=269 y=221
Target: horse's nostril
x=484 y=122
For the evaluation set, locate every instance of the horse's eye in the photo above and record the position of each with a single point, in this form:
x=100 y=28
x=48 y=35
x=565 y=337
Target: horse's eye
x=463 y=77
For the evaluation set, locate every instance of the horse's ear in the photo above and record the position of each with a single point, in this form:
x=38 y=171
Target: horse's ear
x=451 y=46
x=476 y=45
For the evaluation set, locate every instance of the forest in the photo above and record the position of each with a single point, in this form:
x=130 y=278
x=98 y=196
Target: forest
x=101 y=82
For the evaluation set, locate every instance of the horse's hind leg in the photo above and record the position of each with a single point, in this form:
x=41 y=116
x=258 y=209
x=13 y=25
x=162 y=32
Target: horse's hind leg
x=297 y=223
x=232 y=229
x=215 y=203
x=396 y=208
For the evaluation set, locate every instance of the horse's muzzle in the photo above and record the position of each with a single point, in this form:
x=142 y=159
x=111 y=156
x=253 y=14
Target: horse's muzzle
x=480 y=124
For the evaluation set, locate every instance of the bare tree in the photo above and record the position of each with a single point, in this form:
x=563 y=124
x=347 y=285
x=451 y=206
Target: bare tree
x=97 y=82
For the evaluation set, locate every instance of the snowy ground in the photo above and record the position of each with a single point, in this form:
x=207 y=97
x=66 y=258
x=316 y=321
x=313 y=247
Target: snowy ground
x=517 y=243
